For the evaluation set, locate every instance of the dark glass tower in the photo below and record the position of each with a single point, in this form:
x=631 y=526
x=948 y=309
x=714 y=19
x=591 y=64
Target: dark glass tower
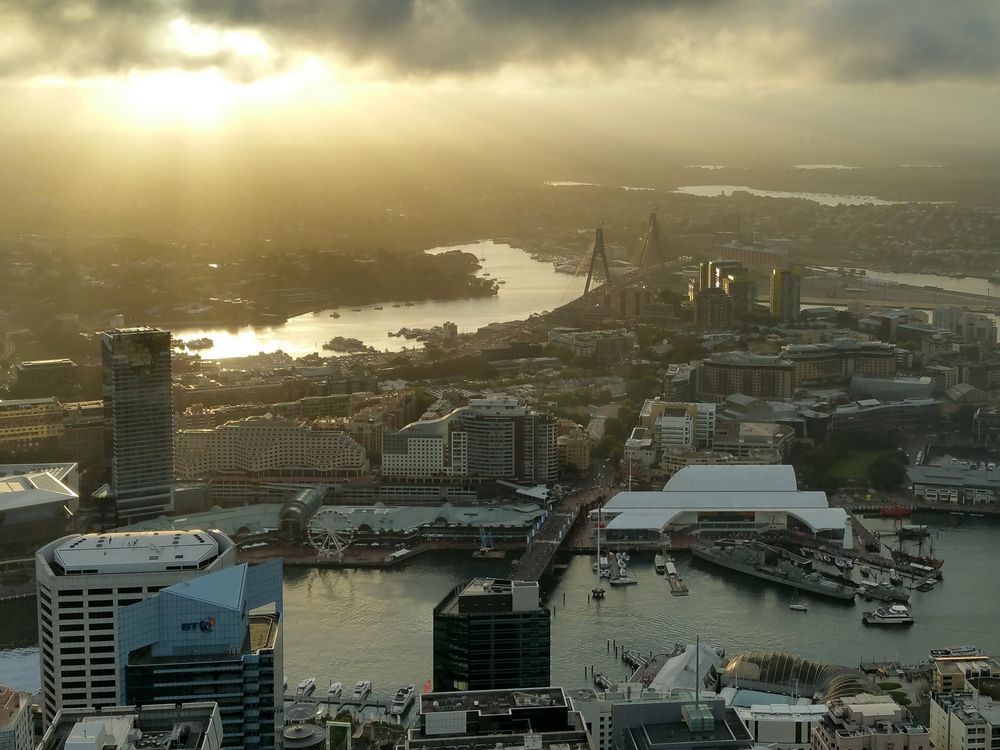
x=139 y=411
x=491 y=634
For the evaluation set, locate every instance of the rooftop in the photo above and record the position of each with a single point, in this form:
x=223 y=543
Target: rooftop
x=184 y=726
x=492 y=702
x=778 y=478
x=134 y=552
x=34 y=485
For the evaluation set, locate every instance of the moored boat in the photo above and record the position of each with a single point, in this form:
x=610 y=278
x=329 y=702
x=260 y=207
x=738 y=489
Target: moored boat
x=403 y=700
x=896 y=614
x=306 y=687
x=362 y=689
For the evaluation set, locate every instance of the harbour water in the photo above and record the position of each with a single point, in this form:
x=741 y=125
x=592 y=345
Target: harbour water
x=531 y=286
x=826 y=199
x=370 y=624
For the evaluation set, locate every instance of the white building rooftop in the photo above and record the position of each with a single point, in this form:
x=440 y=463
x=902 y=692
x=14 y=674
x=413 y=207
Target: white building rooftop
x=135 y=552
x=709 y=478
x=26 y=486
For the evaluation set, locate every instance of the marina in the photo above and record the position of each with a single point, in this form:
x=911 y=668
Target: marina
x=389 y=635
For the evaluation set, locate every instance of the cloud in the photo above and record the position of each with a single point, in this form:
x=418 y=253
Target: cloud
x=825 y=40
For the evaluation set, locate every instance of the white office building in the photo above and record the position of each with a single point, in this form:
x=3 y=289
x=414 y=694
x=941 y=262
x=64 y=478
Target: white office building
x=16 y=728
x=83 y=579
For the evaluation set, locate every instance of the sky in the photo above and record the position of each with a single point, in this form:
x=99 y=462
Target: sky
x=699 y=78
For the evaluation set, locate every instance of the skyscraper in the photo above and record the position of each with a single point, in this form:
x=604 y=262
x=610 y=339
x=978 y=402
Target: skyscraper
x=216 y=638
x=84 y=580
x=491 y=634
x=139 y=409
x=786 y=292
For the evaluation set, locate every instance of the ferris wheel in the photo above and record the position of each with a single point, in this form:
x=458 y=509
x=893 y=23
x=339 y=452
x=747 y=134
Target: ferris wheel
x=330 y=532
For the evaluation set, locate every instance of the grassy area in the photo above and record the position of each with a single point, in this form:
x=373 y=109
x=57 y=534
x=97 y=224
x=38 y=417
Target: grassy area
x=852 y=467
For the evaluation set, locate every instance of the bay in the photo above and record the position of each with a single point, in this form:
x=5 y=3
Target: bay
x=530 y=286
x=369 y=624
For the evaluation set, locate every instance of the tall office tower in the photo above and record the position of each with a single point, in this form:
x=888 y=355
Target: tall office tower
x=137 y=399
x=786 y=293
x=82 y=582
x=713 y=310
x=212 y=638
x=491 y=634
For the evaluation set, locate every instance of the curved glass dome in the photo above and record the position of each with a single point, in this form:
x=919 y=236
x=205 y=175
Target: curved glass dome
x=794 y=674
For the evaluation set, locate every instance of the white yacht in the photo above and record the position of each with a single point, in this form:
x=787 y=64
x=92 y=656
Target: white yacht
x=403 y=700
x=660 y=562
x=623 y=581
x=897 y=614
x=306 y=687
x=335 y=690
x=362 y=689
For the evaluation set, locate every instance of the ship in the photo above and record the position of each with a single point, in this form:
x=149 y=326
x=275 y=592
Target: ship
x=764 y=562
x=897 y=614
x=885 y=592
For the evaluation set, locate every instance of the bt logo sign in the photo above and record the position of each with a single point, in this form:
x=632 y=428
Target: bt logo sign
x=205 y=626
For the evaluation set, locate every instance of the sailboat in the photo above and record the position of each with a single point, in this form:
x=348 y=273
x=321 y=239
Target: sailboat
x=797 y=605
x=598 y=591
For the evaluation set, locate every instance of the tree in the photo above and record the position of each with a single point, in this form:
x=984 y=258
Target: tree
x=886 y=472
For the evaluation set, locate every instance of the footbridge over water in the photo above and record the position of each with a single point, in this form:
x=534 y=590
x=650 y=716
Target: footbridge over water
x=541 y=551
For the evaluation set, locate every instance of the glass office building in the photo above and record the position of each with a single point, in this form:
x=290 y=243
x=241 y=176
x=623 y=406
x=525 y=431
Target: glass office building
x=214 y=638
x=491 y=634
x=139 y=410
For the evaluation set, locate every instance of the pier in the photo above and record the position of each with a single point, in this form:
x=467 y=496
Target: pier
x=542 y=549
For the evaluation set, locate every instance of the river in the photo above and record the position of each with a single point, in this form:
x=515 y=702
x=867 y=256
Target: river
x=370 y=624
x=530 y=286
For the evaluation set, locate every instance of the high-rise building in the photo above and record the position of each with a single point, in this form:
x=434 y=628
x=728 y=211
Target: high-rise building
x=16 y=726
x=488 y=439
x=756 y=375
x=785 y=295
x=713 y=310
x=137 y=399
x=216 y=638
x=84 y=580
x=491 y=634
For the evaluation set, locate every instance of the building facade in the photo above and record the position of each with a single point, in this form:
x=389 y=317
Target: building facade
x=46 y=377
x=239 y=455
x=840 y=360
x=138 y=401
x=759 y=376
x=16 y=727
x=785 y=295
x=492 y=634
x=30 y=427
x=84 y=580
x=209 y=639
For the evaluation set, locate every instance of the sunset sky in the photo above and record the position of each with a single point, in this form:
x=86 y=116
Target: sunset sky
x=698 y=74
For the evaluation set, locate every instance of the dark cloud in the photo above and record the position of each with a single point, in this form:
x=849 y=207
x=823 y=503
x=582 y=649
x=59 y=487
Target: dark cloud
x=850 y=40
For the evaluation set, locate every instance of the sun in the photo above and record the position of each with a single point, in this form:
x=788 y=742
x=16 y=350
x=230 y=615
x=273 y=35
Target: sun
x=195 y=99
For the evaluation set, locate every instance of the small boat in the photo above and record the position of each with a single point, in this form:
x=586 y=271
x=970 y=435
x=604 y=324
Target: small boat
x=895 y=511
x=362 y=689
x=335 y=690
x=623 y=581
x=897 y=614
x=409 y=304
x=306 y=687
x=396 y=304
x=606 y=573
x=378 y=307
x=355 y=309
x=894 y=578
x=402 y=701
x=660 y=562
x=335 y=315
x=601 y=563
x=797 y=606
